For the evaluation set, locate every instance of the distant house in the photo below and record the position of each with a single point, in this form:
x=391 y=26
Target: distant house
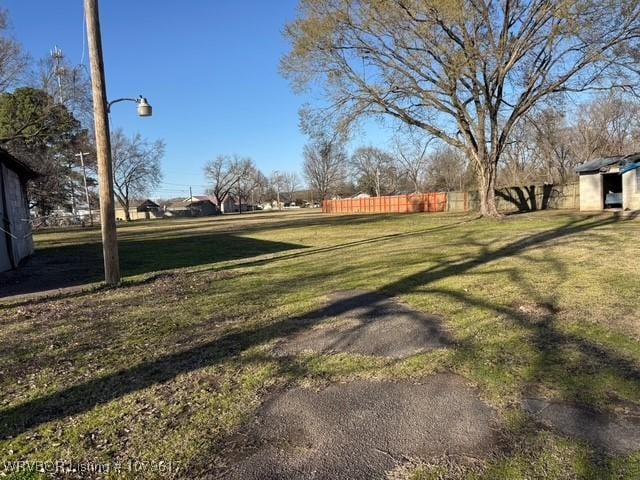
x=362 y=195
x=194 y=206
x=140 y=210
x=610 y=182
x=272 y=205
x=16 y=242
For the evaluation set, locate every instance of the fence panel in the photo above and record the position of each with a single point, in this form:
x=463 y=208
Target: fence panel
x=417 y=202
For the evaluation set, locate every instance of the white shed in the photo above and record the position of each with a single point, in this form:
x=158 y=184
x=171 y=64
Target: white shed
x=610 y=182
x=16 y=241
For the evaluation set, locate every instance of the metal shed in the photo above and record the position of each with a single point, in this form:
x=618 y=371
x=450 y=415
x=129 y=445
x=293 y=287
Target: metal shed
x=16 y=241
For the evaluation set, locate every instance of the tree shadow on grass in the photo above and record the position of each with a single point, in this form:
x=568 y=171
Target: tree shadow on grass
x=57 y=271
x=85 y=396
x=72 y=265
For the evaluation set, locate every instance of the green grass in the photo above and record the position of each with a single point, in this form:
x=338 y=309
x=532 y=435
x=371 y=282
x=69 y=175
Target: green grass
x=168 y=366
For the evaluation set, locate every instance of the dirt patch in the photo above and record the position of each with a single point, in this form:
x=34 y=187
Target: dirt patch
x=363 y=429
x=537 y=312
x=368 y=324
x=619 y=435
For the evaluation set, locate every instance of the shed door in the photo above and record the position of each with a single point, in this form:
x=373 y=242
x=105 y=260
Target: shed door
x=5 y=262
x=18 y=216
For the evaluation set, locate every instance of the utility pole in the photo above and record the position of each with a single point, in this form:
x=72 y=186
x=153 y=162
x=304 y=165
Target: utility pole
x=103 y=145
x=86 y=189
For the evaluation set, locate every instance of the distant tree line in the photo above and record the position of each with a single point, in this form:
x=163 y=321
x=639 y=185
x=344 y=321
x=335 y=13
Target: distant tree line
x=237 y=179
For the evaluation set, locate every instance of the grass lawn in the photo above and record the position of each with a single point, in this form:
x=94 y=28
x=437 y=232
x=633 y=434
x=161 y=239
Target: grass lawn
x=167 y=367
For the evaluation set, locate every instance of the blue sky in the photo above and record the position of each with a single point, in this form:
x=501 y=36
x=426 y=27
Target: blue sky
x=208 y=67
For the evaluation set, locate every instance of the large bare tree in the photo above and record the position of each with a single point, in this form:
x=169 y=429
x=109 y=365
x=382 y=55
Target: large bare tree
x=374 y=171
x=325 y=165
x=465 y=71
x=136 y=167
x=225 y=171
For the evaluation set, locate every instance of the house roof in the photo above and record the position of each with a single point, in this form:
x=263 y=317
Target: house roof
x=21 y=168
x=194 y=200
x=147 y=205
x=604 y=163
x=630 y=166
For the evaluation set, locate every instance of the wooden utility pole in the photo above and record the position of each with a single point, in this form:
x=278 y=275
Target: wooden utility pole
x=103 y=145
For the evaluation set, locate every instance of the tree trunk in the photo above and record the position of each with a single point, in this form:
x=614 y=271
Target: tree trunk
x=487 y=180
x=127 y=215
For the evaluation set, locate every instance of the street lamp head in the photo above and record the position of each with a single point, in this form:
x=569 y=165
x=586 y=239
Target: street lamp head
x=144 y=109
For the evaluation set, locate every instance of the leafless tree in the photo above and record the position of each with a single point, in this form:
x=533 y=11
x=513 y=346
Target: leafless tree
x=225 y=171
x=136 y=167
x=325 y=165
x=412 y=157
x=262 y=188
x=276 y=182
x=13 y=60
x=291 y=184
x=375 y=171
x=448 y=170
x=521 y=163
x=607 y=125
x=67 y=84
x=249 y=180
x=464 y=71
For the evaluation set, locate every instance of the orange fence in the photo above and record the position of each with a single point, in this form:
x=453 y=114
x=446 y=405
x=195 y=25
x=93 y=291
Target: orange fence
x=418 y=202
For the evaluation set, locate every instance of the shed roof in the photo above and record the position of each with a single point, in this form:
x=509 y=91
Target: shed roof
x=605 y=162
x=21 y=168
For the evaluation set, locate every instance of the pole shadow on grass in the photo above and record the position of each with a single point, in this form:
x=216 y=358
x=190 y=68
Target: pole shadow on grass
x=72 y=265
x=85 y=396
x=33 y=277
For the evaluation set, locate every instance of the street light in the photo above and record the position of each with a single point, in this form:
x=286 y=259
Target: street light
x=144 y=109
x=103 y=142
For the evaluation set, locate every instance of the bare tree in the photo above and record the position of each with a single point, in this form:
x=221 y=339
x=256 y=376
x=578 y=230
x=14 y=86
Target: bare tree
x=136 y=167
x=13 y=61
x=374 y=170
x=262 y=188
x=607 y=125
x=412 y=157
x=324 y=165
x=225 y=171
x=249 y=180
x=67 y=84
x=464 y=71
x=552 y=140
x=291 y=184
x=522 y=161
x=448 y=170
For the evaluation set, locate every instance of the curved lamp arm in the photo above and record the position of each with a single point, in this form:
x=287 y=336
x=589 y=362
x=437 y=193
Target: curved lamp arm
x=144 y=109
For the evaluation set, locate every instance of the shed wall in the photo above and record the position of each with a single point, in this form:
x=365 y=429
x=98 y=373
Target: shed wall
x=591 y=192
x=631 y=190
x=5 y=262
x=18 y=215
